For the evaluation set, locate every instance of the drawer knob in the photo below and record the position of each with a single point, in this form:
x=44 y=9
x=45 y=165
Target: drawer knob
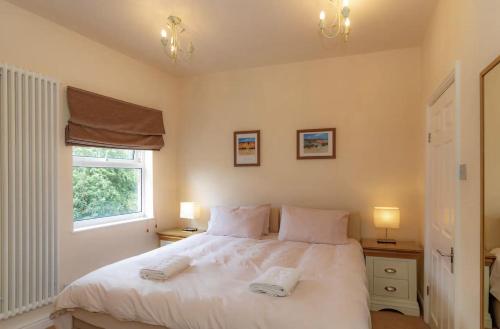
x=390 y=289
x=390 y=270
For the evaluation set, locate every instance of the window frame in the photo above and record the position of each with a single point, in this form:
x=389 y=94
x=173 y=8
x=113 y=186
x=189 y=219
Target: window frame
x=141 y=160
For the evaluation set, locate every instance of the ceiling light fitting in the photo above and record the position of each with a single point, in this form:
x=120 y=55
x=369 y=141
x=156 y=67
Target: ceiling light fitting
x=170 y=40
x=341 y=24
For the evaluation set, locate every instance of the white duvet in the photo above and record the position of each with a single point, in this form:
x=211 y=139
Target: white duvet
x=213 y=293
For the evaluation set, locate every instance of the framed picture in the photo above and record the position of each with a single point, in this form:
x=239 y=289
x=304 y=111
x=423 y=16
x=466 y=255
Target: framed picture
x=316 y=144
x=247 y=148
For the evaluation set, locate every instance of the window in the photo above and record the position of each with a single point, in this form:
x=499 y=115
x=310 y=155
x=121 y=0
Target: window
x=109 y=185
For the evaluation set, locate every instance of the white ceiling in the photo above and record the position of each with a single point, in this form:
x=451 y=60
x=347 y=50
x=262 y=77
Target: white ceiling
x=231 y=34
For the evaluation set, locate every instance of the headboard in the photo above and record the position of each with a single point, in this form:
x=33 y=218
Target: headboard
x=354 y=223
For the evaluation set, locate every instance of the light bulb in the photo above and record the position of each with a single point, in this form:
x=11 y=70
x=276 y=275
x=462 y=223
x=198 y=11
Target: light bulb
x=347 y=22
x=163 y=34
x=322 y=15
x=345 y=3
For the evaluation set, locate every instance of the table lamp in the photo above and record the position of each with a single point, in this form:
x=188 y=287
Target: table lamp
x=386 y=217
x=190 y=211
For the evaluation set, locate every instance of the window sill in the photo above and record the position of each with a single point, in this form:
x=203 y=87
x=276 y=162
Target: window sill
x=98 y=226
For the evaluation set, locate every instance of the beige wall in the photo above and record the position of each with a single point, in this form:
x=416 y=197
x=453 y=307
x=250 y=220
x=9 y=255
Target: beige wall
x=492 y=159
x=468 y=31
x=374 y=102
x=33 y=43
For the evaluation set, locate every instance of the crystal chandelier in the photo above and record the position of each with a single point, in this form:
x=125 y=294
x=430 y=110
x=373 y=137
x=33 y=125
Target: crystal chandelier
x=170 y=39
x=341 y=24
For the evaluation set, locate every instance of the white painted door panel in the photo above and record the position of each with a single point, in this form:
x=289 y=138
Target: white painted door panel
x=442 y=202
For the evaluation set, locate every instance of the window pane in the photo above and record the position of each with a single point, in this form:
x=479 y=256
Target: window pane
x=104 y=192
x=103 y=153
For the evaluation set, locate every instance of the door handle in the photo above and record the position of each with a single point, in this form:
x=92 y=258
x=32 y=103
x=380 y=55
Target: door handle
x=451 y=255
x=444 y=254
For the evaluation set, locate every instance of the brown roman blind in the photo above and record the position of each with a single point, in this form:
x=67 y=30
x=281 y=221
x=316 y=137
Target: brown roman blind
x=103 y=121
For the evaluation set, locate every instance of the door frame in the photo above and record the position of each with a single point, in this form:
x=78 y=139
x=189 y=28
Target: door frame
x=482 y=75
x=453 y=77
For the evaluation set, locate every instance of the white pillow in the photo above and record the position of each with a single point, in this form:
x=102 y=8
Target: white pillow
x=237 y=222
x=266 y=214
x=313 y=225
x=265 y=228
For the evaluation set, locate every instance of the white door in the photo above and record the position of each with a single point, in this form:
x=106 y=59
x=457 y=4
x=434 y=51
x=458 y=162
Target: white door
x=442 y=180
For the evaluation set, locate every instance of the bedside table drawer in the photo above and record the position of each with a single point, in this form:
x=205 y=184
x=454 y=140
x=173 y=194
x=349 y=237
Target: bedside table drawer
x=174 y=235
x=391 y=288
x=390 y=268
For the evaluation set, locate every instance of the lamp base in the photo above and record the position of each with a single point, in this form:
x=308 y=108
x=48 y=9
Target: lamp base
x=391 y=241
x=190 y=229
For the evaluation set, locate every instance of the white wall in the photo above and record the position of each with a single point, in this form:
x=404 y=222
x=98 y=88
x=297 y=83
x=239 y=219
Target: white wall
x=373 y=101
x=33 y=43
x=468 y=31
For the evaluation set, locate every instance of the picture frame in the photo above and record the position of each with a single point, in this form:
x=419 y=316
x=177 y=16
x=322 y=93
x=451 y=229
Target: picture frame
x=246 y=148
x=316 y=143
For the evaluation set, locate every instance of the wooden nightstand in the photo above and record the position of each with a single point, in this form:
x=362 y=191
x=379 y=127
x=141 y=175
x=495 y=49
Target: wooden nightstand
x=174 y=234
x=392 y=275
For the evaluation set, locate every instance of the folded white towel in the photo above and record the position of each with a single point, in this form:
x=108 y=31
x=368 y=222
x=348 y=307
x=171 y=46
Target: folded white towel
x=277 y=281
x=165 y=268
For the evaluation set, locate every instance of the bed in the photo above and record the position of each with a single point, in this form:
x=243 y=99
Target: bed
x=213 y=292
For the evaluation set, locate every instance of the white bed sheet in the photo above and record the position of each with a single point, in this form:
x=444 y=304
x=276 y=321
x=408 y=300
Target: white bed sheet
x=213 y=293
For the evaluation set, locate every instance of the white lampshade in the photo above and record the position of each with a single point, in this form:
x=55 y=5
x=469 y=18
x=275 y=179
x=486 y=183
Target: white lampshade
x=190 y=210
x=386 y=217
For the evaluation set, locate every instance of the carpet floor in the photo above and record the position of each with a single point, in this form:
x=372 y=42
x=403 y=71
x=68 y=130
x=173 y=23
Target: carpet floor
x=394 y=320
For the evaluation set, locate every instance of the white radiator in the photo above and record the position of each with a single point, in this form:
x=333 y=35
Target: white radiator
x=28 y=190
